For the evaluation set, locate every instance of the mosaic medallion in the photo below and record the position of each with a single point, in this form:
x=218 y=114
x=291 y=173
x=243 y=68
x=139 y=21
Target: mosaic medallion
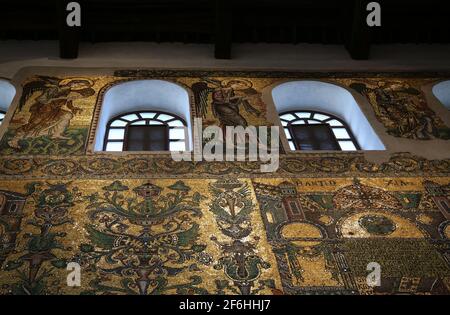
x=377 y=224
x=447 y=231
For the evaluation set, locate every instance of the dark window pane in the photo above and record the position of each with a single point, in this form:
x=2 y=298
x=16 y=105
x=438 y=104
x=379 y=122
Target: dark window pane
x=147 y=138
x=314 y=137
x=294 y=208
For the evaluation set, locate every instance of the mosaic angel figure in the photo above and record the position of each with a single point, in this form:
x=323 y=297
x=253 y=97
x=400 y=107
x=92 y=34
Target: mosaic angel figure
x=403 y=110
x=52 y=109
x=228 y=97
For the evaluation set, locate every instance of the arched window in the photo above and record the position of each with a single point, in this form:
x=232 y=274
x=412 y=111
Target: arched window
x=7 y=92
x=327 y=112
x=141 y=106
x=311 y=130
x=146 y=131
x=442 y=93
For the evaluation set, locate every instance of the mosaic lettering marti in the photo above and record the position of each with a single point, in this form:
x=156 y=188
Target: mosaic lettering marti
x=145 y=224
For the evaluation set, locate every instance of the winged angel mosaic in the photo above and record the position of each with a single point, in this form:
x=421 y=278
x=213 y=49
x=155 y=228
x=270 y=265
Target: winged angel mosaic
x=403 y=109
x=51 y=109
x=228 y=97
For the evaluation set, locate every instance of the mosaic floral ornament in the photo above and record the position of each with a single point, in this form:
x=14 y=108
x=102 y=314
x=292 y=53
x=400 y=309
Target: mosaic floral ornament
x=140 y=166
x=146 y=240
x=239 y=261
x=34 y=268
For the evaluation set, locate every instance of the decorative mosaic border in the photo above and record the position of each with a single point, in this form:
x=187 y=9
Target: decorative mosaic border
x=145 y=166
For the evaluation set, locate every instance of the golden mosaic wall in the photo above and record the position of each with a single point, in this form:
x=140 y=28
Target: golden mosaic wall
x=144 y=224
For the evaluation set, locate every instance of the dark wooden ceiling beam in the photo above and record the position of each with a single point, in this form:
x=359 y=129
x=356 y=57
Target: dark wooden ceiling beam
x=69 y=37
x=359 y=38
x=212 y=21
x=223 y=29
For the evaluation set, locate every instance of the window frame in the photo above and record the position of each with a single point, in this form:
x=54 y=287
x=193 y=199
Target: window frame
x=297 y=143
x=138 y=113
x=2 y=118
x=312 y=114
x=126 y=142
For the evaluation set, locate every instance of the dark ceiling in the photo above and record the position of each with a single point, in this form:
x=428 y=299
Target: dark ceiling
x=224 y=22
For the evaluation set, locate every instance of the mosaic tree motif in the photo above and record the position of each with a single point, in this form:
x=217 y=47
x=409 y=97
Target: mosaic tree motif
x=147 y=240
x=232 y=207
x=39 y=257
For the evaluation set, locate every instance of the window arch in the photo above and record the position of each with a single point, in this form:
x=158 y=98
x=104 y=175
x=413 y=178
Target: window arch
x=146 y=131
x=442 y=93
x=332 y=99
x=142 y=96
x=312 y=130
x=7 y=92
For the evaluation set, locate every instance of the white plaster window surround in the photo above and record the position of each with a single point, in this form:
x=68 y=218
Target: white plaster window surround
x=442 y=93
x=7 y=93
x=327 y=98
x=143 y=96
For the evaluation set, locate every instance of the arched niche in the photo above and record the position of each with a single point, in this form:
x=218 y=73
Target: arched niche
x=7 y=93
x=328 y=98
x=143 y=95
x=442 y=93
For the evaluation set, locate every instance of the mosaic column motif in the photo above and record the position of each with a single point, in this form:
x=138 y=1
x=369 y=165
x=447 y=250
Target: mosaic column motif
x=232 y=206
x=11 y=208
